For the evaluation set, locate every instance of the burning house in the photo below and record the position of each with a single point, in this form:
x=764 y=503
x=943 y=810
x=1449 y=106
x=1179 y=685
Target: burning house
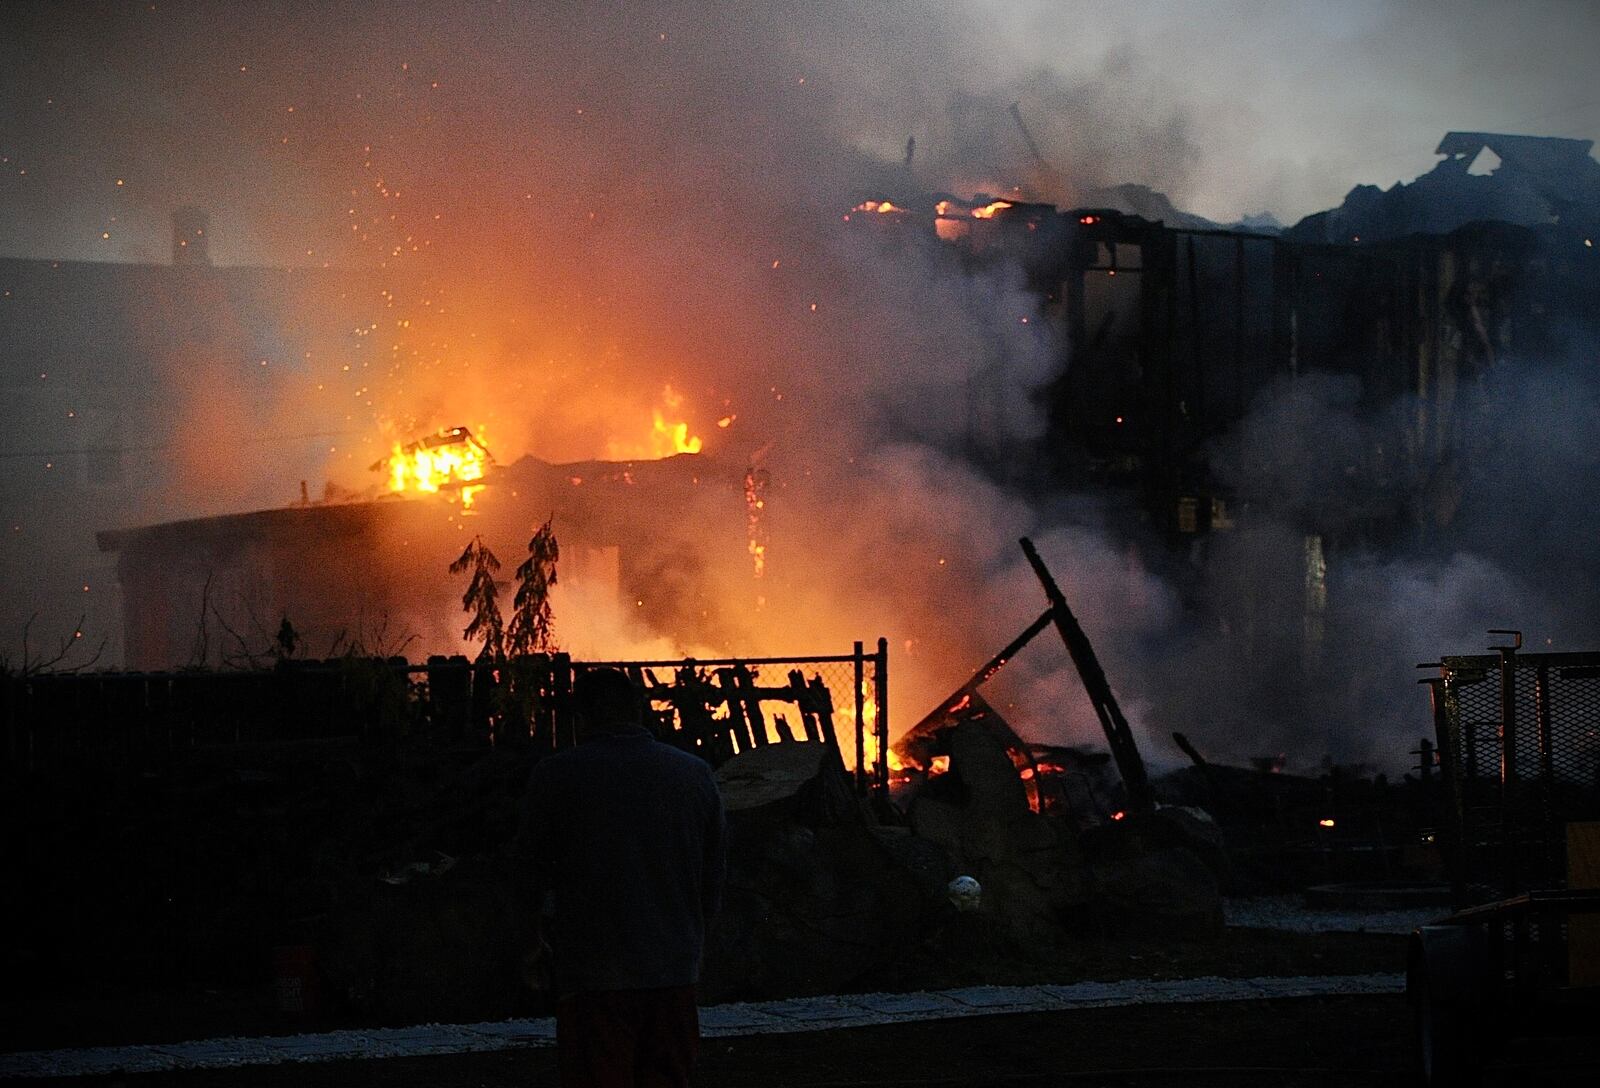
x=1170 y=334
x=1171 y=330
x=636 y=541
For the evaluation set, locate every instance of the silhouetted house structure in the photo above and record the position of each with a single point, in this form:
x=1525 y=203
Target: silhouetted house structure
x=1530 y=181
x=372 y=574
x=139 y=392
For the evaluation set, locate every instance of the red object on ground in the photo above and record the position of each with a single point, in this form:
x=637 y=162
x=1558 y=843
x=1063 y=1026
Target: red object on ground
x=622 y=1038
x=294 y=977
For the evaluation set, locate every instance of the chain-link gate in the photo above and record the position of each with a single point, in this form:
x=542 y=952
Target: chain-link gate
x=1519 y=745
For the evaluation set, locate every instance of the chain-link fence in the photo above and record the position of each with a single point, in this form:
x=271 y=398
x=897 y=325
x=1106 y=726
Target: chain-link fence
x=1519 y=744
x=716 y=708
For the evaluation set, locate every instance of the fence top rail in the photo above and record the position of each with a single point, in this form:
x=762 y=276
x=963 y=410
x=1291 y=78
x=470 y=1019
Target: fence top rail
x=1570 y=659
x=676 y=663
x=333 y=665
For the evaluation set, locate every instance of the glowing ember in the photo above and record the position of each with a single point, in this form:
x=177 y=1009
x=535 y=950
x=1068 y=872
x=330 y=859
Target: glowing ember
x=880 y=206
x=451 y=458
x=755 y=492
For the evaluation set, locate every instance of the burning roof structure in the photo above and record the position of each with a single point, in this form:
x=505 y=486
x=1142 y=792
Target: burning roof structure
x=1170 y=331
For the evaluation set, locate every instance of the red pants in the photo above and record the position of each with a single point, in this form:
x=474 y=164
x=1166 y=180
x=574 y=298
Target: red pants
x=627 y=1038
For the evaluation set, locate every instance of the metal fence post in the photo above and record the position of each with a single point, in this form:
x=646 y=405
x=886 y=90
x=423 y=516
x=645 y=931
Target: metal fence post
x=1451 y=831
x=1509 y=793
x=861 y=710
x=880 y=674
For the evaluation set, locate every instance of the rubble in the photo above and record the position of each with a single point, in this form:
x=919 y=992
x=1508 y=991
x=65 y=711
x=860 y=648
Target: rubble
x=815 y=901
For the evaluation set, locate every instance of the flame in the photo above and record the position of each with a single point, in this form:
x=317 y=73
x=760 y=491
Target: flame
x=452 y=457
x=880 y=206
x=1325 y=822
x=951 y=208
x=869 y=720
x=669 y=433
x=671 y=438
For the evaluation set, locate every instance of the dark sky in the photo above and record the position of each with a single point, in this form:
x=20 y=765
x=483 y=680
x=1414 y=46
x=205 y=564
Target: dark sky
x=262 y=111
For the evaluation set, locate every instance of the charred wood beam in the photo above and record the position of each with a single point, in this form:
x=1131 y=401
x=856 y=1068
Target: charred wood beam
x=1188 y=749
x=752 y=704
x=1119 y=736
x=1027 y=136
x=957 y=698
x=822 y=704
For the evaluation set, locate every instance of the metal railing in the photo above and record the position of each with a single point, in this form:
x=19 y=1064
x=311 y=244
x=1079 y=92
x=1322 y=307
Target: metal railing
x=1519 y=746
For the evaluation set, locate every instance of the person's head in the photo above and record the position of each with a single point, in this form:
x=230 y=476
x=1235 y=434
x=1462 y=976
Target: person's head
x=604 y=702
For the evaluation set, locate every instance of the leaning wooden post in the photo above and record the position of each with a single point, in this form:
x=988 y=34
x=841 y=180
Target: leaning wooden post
x=1123 y=749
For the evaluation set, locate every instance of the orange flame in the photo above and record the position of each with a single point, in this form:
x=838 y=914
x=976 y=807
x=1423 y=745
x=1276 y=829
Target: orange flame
x=988 y=210
x=950 y=208
x=671 y=438
x=450 y=458
x=869 y=735
x=880 y=206
x=669 y=433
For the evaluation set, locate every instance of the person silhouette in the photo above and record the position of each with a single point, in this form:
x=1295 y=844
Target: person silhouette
x=625 y=836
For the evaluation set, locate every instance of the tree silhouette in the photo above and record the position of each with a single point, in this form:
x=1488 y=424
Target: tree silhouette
x=532 y=625
x=481 y=599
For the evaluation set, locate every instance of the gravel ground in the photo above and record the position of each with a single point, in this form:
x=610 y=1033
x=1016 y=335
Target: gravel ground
x=1314 y=1042
x=1289 y=914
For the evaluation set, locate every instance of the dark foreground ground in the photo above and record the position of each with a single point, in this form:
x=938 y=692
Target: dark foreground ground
x=1302 y=1043
x=1315 y=1042
x=116 y=1016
